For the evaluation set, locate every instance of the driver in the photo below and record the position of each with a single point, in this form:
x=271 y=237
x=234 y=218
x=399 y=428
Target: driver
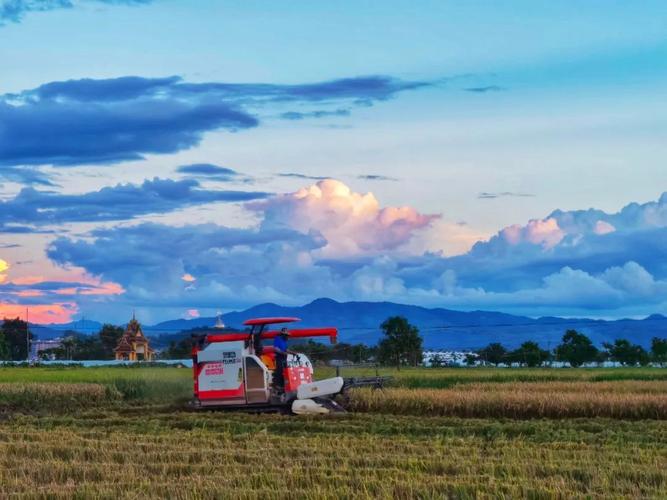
x=281 y=350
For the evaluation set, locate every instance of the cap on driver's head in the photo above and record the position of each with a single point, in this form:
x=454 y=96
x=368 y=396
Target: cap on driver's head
x=284 y=331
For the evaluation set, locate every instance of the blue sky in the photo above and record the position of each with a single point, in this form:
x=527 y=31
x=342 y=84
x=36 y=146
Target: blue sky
x=493 y=125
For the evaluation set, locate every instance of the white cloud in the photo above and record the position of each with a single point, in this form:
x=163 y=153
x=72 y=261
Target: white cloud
x=352 y=223
x=328 y=241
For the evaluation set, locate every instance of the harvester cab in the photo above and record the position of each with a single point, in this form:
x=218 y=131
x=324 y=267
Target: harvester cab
x=235 y=371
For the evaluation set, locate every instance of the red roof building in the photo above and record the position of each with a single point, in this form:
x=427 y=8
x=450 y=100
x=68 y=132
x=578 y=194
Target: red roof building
x=133 y=345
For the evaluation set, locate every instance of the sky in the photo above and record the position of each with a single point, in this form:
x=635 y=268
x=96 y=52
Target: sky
x=182 y=158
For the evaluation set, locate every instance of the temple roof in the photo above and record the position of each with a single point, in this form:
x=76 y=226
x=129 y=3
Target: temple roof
x=132 y=336
x=123 y=345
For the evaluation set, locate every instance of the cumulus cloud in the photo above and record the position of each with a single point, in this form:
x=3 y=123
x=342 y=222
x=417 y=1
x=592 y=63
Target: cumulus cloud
x=292 y=255
x=351 y=223
x=327 y=240
x=581 y=228
x=236 y=266
x=120 y=202
x=545 y=232
x=129 y=117
x=602 y=227
x=520 y=257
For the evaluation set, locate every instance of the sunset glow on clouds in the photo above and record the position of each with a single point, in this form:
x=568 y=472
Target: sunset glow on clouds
x=50 y=299
x=60 y=312
x=351 y=223
x=326 y=239
x=3 y=267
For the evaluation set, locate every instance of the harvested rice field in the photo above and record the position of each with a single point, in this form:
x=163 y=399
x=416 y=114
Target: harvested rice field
x=111 y=433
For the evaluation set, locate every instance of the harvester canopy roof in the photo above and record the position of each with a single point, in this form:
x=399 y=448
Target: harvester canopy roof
x=270 y=321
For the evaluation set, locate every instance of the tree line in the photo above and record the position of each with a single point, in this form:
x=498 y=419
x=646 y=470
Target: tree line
x=400 y=345
x=577 y=349
x=74 y=346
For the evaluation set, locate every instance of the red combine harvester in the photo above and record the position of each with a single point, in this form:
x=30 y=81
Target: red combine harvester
x=235 y=371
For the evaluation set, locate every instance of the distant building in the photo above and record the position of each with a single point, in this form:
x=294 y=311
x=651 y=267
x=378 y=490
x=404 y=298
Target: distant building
x=219 y=324
x=39 y=346
x=133 y=345
x=448 y=358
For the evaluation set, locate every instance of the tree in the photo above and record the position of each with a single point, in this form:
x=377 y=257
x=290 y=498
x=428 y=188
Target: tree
x=69 y=343
x=437 y=361
x=576 y=349
x=87 y=347
x=4 y=347
x=471 y=358
x=14 y=334
x=622 y=351
x=320 y=352
x=109 y=336
x=361 y=353
x=659 y=350
x=493 y=353
x=401 y=345
x=178 y=350
x=529 y=354
x=601 y=357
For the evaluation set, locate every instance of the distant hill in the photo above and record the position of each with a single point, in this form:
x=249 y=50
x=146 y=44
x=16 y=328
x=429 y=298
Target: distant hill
x=55 y=330
x=441 y=328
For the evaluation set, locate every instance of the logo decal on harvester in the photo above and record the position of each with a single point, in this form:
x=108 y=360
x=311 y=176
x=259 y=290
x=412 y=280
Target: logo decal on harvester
x=229 y=358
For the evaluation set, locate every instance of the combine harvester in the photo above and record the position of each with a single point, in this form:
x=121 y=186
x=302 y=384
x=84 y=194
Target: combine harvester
x=235 y=371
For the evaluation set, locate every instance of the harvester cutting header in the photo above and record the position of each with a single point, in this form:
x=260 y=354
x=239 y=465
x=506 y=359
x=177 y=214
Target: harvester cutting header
x=237 y=371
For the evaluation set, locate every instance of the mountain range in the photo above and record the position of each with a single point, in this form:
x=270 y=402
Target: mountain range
x=359 y=322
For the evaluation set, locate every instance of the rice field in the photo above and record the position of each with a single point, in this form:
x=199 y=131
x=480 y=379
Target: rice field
x=115 y=455
x=634 y=400
x=455 y=433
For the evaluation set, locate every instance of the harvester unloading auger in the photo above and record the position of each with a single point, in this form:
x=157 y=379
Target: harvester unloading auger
x=235 y=371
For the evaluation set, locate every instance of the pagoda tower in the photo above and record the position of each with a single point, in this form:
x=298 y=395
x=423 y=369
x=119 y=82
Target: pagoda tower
x=133 y=344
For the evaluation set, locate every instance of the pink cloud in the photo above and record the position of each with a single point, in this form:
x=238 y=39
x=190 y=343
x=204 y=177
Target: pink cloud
x=28 y=280
x=192 y=313
x=352 y=223
x=602 y=227
x=29 y=293
x=61 y=312
x=94 y=286
x=545 y=232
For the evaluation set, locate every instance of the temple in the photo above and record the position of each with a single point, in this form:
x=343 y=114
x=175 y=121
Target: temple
x=133 y=345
